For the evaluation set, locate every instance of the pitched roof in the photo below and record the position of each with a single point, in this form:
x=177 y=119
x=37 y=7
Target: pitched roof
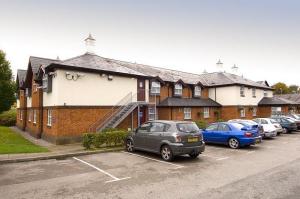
x=276 y=101
x=37 y=62
x=190 y=102
x=292 y=97
x=95 y=62
x=21 y=75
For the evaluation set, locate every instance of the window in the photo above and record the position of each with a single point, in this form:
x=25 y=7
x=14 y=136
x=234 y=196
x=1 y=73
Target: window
x=206 y=112
x=155 y=88
x=49 y=117
x=197 y=91
x=213 y=127
x=178 y=89
x=158 y=127
x=242 y=91
x=276 y=110
x=254 y=111
x=187 y=113
x=253 y=92
x=242 y=112
x=223 y=127
x=265 y=93
x=21 y=114
x=34 y=116
x=151 y=113
x=144 y=128
x=29 y=115
x=187 y=127
x=263 y=121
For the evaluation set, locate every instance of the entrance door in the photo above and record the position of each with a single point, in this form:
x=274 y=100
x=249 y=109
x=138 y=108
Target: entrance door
x=142 y=115
x=141 y=90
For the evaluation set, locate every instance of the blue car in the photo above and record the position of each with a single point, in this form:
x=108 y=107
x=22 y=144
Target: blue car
x=235 y=135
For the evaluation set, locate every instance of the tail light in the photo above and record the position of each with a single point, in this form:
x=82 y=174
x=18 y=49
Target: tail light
x=248 y=134
x=178 y=138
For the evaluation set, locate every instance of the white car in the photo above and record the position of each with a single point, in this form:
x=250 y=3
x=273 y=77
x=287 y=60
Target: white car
x=269 y=129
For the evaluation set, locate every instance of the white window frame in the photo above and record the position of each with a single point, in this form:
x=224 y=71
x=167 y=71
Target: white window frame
x=178 y=89
x=187 y=113
x=265 y=93
x=151 y=113
x=49 y=117
x=276 y=110
x=242 y=91
x=21 y=114
x=242 y=112
x=155 y=88
x=34 y=116
x=253 y=92
x=197 y=91
x=206 y=112
x=254 y=112
x=29 y=115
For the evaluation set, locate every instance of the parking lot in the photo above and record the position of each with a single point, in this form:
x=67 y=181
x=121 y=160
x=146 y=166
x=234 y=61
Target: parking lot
x=260 y=171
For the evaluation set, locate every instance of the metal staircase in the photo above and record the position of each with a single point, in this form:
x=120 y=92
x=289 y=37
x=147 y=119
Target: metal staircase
x=117 y=114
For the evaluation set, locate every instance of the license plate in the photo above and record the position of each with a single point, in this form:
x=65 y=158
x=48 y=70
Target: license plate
x=193 y=139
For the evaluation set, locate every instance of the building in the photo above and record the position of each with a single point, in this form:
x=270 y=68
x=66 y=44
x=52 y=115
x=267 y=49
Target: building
x=59 y=100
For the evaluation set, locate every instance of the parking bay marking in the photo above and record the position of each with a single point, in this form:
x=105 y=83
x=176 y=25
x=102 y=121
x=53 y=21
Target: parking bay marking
x=102 y=171
x=176 y=165
x=215 y=157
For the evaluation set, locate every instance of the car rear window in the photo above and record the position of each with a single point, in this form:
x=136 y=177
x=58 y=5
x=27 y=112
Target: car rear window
x=237 y=125
x=187 y=127
x=273 y=121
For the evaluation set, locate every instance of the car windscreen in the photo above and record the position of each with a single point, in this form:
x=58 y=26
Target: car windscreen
x=290 y=120
x=273 y=121
x=187 y=127
x=237 y=125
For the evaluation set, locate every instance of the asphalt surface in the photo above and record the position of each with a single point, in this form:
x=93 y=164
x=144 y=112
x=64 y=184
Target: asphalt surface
x=268 y=170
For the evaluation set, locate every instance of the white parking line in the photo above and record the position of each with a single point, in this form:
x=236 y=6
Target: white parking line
x=169 y=163
x=215 y=157
x=249 y=152
x=102 y=171
x=225 y=158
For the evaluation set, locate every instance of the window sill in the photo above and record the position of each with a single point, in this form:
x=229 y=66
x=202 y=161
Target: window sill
x=49 y=126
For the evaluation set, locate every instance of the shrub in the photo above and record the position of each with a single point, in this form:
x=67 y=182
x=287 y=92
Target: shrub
x=8 y=118
x=201 y=124
x=99 y=140
x=88 y=139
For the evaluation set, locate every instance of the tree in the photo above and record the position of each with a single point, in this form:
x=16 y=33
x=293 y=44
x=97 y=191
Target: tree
x=280 y=88
x=293 y=89
x=7 y=84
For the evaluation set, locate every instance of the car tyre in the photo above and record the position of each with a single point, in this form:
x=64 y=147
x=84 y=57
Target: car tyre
x=285 y=131
x=194 y=155
x=166 y=153
x=233 y=143
x=129 y=146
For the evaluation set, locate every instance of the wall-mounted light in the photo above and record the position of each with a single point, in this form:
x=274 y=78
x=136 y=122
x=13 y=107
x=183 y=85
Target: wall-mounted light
x=53 y=74
x=110 y=77
x=73 y=76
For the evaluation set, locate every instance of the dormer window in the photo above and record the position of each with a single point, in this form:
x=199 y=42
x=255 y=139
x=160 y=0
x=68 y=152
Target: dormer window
x=242 y=91
x=265 y=93
x=197 y=91
x=155 y=88
x=178 y=89
x=253 y=92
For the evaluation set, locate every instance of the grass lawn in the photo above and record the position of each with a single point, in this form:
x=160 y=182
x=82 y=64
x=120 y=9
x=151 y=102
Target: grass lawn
x=11 y=142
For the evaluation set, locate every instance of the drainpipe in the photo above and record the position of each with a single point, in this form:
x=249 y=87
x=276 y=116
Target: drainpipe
x=215 y=94
x=40 y=112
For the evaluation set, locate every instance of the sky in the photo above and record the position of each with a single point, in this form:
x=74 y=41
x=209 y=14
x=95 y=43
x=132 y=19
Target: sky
x=262 y=37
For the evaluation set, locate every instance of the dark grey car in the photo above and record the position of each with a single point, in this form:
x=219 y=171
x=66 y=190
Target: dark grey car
x=168 y=138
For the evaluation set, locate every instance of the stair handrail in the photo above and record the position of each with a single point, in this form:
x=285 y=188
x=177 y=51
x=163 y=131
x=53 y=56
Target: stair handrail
x=115 y=109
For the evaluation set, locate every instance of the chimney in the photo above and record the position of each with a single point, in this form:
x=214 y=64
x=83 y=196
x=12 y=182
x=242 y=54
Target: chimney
x=90 y=44
x=235 y=69
x=219 y=65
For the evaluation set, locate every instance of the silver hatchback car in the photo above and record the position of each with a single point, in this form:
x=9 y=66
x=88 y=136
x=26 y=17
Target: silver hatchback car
x=168 y=138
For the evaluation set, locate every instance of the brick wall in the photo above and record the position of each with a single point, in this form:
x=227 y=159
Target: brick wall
x=233 y=112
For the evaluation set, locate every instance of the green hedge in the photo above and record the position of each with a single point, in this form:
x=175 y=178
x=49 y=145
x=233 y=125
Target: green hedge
x=108 y=137
x=201 y=124
x=8 y=118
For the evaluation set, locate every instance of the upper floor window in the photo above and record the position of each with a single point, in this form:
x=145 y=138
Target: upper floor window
x=206 y=112
x=242 y=91
x=197 y=91
x=187 y=113
x=253 y=92
x=155 y=87
x=265 y=93
x=178 y=89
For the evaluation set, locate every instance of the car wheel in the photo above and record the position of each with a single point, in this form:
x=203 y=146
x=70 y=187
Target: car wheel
x=194 y=155
x=166 y=153
x=285 y=130
x=129 y=146
x=233 y=143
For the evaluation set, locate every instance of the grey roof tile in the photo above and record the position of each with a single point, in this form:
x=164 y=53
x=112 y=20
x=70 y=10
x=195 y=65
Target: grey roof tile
x=292 y=97
x=36 y=62
x=276 y=101
x=21 y=75
x=188 y=102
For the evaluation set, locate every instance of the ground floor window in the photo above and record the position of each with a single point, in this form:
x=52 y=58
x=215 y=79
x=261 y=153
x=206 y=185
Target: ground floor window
x=254 y=113
x=242 y=112
x=21 y=114
x=29 y=115
x=187 y=113
x=276 y=110
x=151 y=113
x=49 y=117
x=206 y=112
x=34 y=116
